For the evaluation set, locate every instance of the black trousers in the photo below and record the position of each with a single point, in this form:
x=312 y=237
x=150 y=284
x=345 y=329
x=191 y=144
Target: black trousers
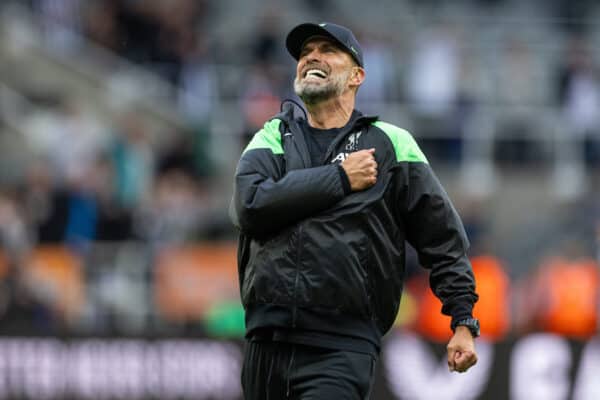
x=281 y=370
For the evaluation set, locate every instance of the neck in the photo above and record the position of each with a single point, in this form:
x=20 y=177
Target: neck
x=331 y=113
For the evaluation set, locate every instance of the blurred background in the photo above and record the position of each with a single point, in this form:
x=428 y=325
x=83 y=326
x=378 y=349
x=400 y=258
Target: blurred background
x=121 y=122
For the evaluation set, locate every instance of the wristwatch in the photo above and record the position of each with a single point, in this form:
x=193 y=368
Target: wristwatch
x=471 y=323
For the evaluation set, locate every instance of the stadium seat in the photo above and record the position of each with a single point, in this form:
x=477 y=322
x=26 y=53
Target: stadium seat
x=58 y=277
x=190 y=280
x=492 y=309
x=566 y=298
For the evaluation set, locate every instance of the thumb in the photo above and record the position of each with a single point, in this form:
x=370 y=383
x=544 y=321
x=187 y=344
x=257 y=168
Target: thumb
x=453 y=355
x=371 y=150
x=459 y=357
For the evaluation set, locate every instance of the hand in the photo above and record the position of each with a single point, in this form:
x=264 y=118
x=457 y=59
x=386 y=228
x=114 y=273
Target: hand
x=461 y=350
x=361 y=169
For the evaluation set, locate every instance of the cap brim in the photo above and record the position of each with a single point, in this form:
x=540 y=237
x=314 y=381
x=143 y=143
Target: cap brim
x=300 y=34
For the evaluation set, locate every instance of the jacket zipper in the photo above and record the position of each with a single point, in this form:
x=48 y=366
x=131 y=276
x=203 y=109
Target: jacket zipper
x=296 y=278
x=335 y=143
x=301 y=148
x=368 y=283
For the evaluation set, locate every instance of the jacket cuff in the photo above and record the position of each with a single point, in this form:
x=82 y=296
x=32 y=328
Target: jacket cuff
x=345 y=180
x=461 y=311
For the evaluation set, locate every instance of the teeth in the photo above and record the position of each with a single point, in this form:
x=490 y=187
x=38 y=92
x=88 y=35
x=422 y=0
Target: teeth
x=316 y=72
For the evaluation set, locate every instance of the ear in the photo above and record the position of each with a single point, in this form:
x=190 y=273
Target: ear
x=357 y=77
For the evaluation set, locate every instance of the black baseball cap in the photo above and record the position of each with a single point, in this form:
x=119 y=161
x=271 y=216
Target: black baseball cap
x=339 y=34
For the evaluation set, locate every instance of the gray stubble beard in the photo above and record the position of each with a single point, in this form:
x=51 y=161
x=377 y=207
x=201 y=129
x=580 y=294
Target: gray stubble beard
x=312 y=94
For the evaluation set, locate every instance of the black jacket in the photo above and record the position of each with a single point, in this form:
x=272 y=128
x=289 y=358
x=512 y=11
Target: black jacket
x=315 y=259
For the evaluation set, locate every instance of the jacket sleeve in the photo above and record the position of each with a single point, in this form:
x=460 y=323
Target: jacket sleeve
x=435 y=230
x=266 y=199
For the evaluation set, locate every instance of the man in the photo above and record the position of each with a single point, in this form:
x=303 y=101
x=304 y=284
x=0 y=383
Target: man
x=324 y=206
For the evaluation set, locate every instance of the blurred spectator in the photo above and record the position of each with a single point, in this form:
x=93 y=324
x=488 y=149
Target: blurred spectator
x=83 y=210
x=578 y=95
x=492 y=309
x=14 y=237
x=159 y=35
x=137 y=29
x=265 y=41
x=199 y=91
x=519 y=94
x=434 y=92
x=177 y=21
x=380 y=85
x=260 y=100
x=266 y=83
x=433 y=74
x=134 y=160
x=80 y=142
x=114 y=218
x=174 y=32
x=561 y=296
x=70 y=138
x=517 y=72
x=476 y=220
x=494 y=288
x=46 y=204
x=102 y=24
x=175 y=210
x=179 y=155
x=61 y=22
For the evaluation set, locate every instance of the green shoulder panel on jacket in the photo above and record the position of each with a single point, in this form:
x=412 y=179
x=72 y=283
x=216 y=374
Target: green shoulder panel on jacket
x=405 y=146
x=268 y=137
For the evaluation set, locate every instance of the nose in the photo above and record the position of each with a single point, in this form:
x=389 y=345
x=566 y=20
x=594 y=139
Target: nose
x=312 y=55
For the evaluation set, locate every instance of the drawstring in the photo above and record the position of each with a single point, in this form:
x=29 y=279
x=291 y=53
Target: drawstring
x=287 y=393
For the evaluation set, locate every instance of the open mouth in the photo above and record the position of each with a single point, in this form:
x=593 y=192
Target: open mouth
x=316 y=73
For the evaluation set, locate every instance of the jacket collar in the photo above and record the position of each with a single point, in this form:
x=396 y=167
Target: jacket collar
x=357 y=117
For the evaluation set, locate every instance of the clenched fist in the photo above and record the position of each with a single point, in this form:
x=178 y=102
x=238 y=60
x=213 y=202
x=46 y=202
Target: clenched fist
x=361 y=169
x=461 y=350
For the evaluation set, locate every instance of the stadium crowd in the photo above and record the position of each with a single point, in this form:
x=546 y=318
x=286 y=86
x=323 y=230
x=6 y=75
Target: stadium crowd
x=89 y=180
